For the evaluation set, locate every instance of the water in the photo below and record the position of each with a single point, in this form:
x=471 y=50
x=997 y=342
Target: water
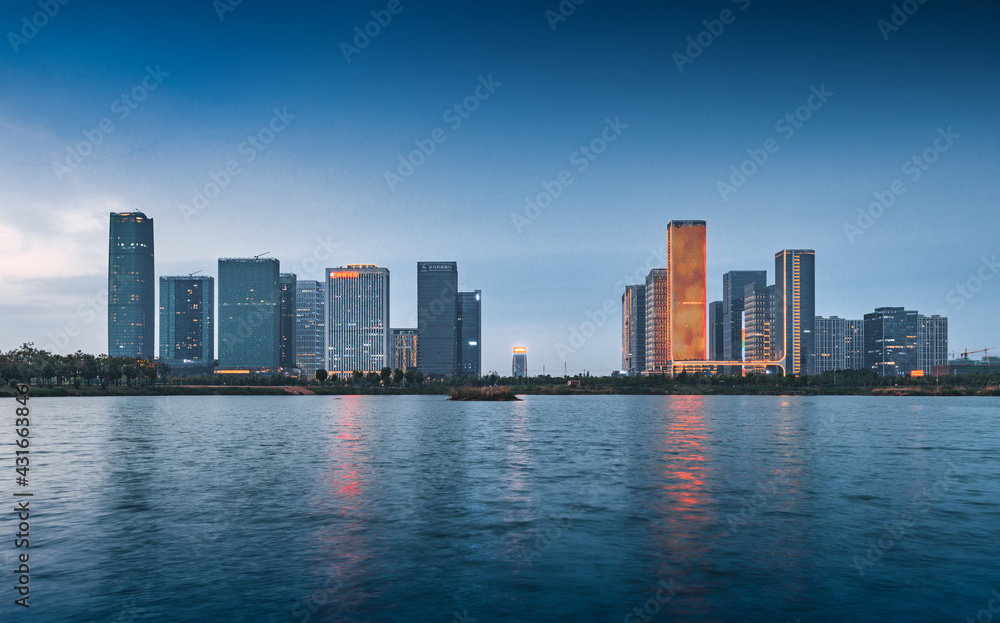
x=414 y=508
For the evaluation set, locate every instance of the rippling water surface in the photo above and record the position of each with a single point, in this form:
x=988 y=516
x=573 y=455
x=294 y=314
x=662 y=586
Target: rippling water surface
x=414 y=508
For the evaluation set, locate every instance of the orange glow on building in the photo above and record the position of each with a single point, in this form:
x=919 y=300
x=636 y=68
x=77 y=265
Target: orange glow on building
x=916 y=373
x=520 y=349
x=343 y=274
x=687 y=332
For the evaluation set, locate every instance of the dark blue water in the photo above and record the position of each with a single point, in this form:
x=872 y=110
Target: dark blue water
x=552 y=509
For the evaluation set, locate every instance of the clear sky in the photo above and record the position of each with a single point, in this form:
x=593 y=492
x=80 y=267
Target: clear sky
x=531 y=90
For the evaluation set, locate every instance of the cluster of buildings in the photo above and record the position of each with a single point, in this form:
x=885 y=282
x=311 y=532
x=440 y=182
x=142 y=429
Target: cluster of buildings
x=271 y=322
x=668 y=325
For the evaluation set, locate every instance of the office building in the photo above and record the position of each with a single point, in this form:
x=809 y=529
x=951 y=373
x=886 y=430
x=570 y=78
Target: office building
x=404 y=348
x=470 y=338
x=249 y=315
x=520 y=363
x=932 y=347
x=795 y=309
x=676 y=301
x=634 y=330
x=310 y=323
x=891 y=340
x=289 y=307
x=187 y=328
x=838 y=344
x=131 y=287
x=357 y=319
x=715 y=315
x=437 y=318
x=733 y=284
x=758 y=318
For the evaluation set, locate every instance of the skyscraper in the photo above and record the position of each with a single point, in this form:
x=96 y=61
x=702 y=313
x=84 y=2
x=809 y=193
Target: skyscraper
x=310 y=323
x=891 y=339
x=839 y=344
x=795 y=309
x=634 y=330
x=357 y=319
x=470 y=338
x=715 y=330
x=249 y=315
x=758 y=318
x=932 y=346
x=733 y=284
x=131 y=287
x=519 y=366
x=403 y=343
x=676 y=300
x=437 y=318
x=286 y=282
x=187 y=329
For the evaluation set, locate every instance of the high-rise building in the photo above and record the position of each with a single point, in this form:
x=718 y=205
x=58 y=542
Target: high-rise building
x=758 y=318
x=932 y=346
x=838 y=344
x=310 y=323
x=891 y=341
x=733 y=284
x=357 y=319
x=634 y=330
x=187 y=328
x=286 y=282
x=715 y=309
x=437 y=318
x=131 y=287
x=470 y=338
x=404 y=348
x=795 y=309
x=520 y=362
x=676 y=300
x=249 y=315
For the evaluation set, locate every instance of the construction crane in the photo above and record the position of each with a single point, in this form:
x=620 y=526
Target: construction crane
x=257 y=257
x=965 y=355
x=194 y=273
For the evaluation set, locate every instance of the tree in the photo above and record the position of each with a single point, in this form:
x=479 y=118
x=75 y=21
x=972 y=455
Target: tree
x=321 y=375
x=418 y=376
x=372 y=377
x=409 y=376
x=397 y=375
x=385 y=373
x=130 y=371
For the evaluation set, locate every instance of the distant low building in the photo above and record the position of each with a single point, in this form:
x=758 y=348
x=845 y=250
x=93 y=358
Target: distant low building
x=403 y=343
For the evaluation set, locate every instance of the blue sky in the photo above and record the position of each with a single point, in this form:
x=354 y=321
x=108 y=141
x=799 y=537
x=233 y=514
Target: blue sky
x=317 y=194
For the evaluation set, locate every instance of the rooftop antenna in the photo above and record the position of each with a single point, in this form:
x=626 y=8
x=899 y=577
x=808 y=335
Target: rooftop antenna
x=257 y=257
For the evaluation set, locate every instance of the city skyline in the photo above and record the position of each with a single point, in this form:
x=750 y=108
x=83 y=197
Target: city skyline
x=869 y=132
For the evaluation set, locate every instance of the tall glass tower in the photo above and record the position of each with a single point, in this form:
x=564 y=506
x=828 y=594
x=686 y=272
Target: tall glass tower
x=249 y=314
x=437 y=318
x=357 y=319
x=289 y=292
x=187 y=314
x=470 y=335
x=310 y=321
x=131 y=287
x=794 y=309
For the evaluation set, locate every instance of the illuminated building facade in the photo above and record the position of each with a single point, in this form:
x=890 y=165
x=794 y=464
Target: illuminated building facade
x=520 y=362
x=470 y=335
x=187 y=331
x=795 y=309
x=131 y=287
x=891 y=341
x=634 y=330
x=932 y=348
x=758 y=318
x=249 y=315
x=289 y=291
x=839 y=344
x=437 y=318
x=657 y=289
x=357 y=319
x=733 y=284
x=310 y=321
x=404 y=349
x=688 y=300
x=715 y=314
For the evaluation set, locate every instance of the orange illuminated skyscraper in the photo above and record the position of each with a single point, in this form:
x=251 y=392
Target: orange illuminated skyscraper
x=676 y=300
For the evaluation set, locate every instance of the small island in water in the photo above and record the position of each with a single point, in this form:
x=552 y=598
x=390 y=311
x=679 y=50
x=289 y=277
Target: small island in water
x=490 y=392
